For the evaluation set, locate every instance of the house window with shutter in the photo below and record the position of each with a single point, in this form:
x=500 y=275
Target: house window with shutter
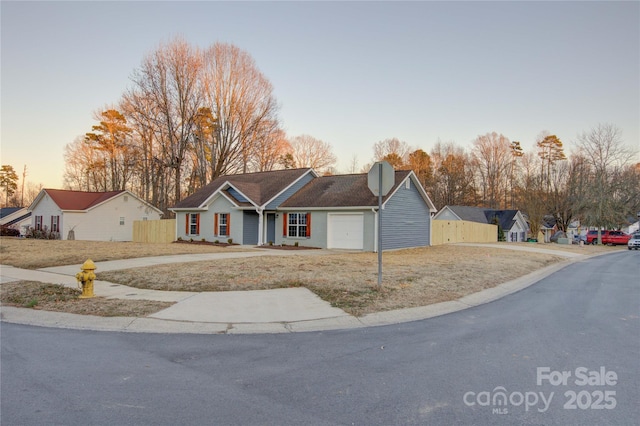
x=299 y=225
x=55 y=223
x=38 y=223
x=222 y=224
x=193 y=223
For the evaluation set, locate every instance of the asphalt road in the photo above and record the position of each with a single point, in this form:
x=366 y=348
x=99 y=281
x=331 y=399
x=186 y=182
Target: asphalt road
x=564 y=351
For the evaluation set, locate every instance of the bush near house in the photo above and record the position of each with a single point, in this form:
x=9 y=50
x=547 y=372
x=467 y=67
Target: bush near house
x=6 y=231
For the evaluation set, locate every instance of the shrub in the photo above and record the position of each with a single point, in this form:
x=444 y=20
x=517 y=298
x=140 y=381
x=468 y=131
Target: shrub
x=42 y=234
x=230 y=240
x=5 y=231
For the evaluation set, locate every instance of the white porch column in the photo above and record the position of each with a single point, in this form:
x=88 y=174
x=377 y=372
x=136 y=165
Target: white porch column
x=261 y=226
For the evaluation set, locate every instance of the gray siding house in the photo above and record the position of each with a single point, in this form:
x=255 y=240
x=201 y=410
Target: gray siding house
x=298 y=206
x=241 y=208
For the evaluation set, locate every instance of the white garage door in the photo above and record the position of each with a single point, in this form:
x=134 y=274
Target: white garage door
x=345 y=231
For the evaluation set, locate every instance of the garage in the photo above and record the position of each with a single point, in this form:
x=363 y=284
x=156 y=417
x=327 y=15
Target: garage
x=345 y=231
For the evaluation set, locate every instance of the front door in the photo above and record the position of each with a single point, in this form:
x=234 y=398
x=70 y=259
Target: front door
x=271 y=228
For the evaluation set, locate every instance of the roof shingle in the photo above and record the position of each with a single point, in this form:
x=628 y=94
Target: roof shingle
x=260 y=187
x=339 y=191
x=79 y=200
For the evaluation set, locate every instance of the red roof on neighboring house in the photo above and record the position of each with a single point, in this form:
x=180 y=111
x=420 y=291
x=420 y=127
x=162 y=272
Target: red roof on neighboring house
x=79 y=200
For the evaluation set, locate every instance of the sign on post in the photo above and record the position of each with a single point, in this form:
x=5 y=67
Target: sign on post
x=383 y=170
x=380 y=180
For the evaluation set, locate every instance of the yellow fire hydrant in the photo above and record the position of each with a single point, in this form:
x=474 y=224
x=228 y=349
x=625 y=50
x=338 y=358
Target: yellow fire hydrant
x=86 y=278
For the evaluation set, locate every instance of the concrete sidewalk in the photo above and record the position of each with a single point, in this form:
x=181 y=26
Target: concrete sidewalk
x=261 y=311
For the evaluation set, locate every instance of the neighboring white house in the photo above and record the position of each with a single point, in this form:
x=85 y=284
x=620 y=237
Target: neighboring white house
x=95 y=216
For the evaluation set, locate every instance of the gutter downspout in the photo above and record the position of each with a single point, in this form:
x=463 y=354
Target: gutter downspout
x=375 y=229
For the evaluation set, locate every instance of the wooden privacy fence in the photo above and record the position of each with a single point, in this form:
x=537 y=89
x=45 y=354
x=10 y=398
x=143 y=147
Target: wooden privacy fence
x=462 y=231
x=154 y=231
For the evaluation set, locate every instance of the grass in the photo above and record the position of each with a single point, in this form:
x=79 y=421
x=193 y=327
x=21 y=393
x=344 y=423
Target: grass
x=412 y=277
x=35 y=254
x=52 y=297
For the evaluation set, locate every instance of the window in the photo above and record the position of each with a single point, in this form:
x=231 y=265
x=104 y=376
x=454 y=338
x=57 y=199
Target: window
x=38 y=223
x=193 y=224
x=121 y=220
x=299 y=225
x=55 y=223
x=221 y=224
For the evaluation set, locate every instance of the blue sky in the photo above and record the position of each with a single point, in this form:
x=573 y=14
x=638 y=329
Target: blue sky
x=348 y=73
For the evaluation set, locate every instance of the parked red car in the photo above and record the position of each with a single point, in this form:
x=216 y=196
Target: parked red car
x=616 y=237
x=592 y=236
x=608 y=237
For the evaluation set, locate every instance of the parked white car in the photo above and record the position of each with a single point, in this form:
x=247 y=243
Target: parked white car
x=634 y=242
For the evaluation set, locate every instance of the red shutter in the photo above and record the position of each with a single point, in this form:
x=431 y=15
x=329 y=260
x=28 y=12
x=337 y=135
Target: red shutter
x=198 y=224
x=186 y=227
x=215 y=224
x=228 y=224
x=308 y=225
x=284 y=225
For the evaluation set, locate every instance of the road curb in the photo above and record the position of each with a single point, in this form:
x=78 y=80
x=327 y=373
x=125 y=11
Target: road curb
x=41 y=318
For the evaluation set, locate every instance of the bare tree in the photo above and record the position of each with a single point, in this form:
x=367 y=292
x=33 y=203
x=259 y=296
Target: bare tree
x=269 y=148
x=392 y=149
x=491 y=156
x=85 y=169
x=243 y=106
x=169 y=78
x=353 y=165
x=308 y=151
x=453 y=180
x=531 y=197
x=150 y=180
x=604 y=151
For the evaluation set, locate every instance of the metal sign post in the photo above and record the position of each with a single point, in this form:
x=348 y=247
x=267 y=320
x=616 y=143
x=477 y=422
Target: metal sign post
x=380 y=180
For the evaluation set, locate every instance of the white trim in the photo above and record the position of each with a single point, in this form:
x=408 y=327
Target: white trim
x=437 y=215
x=289 y=186
x=421 y=191
x=327 y=209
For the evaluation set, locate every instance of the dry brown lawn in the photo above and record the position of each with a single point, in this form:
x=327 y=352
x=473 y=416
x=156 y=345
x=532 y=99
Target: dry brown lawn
x=35 y=254
x=413 y=277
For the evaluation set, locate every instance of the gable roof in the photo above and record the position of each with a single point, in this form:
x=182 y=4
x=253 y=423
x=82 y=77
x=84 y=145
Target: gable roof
x=6 y=211
x=471 y=214
x=12 y=215
x=506 y=218
x=345 y=191
x=75 y=200
x=259 y=188
x=81 y=200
